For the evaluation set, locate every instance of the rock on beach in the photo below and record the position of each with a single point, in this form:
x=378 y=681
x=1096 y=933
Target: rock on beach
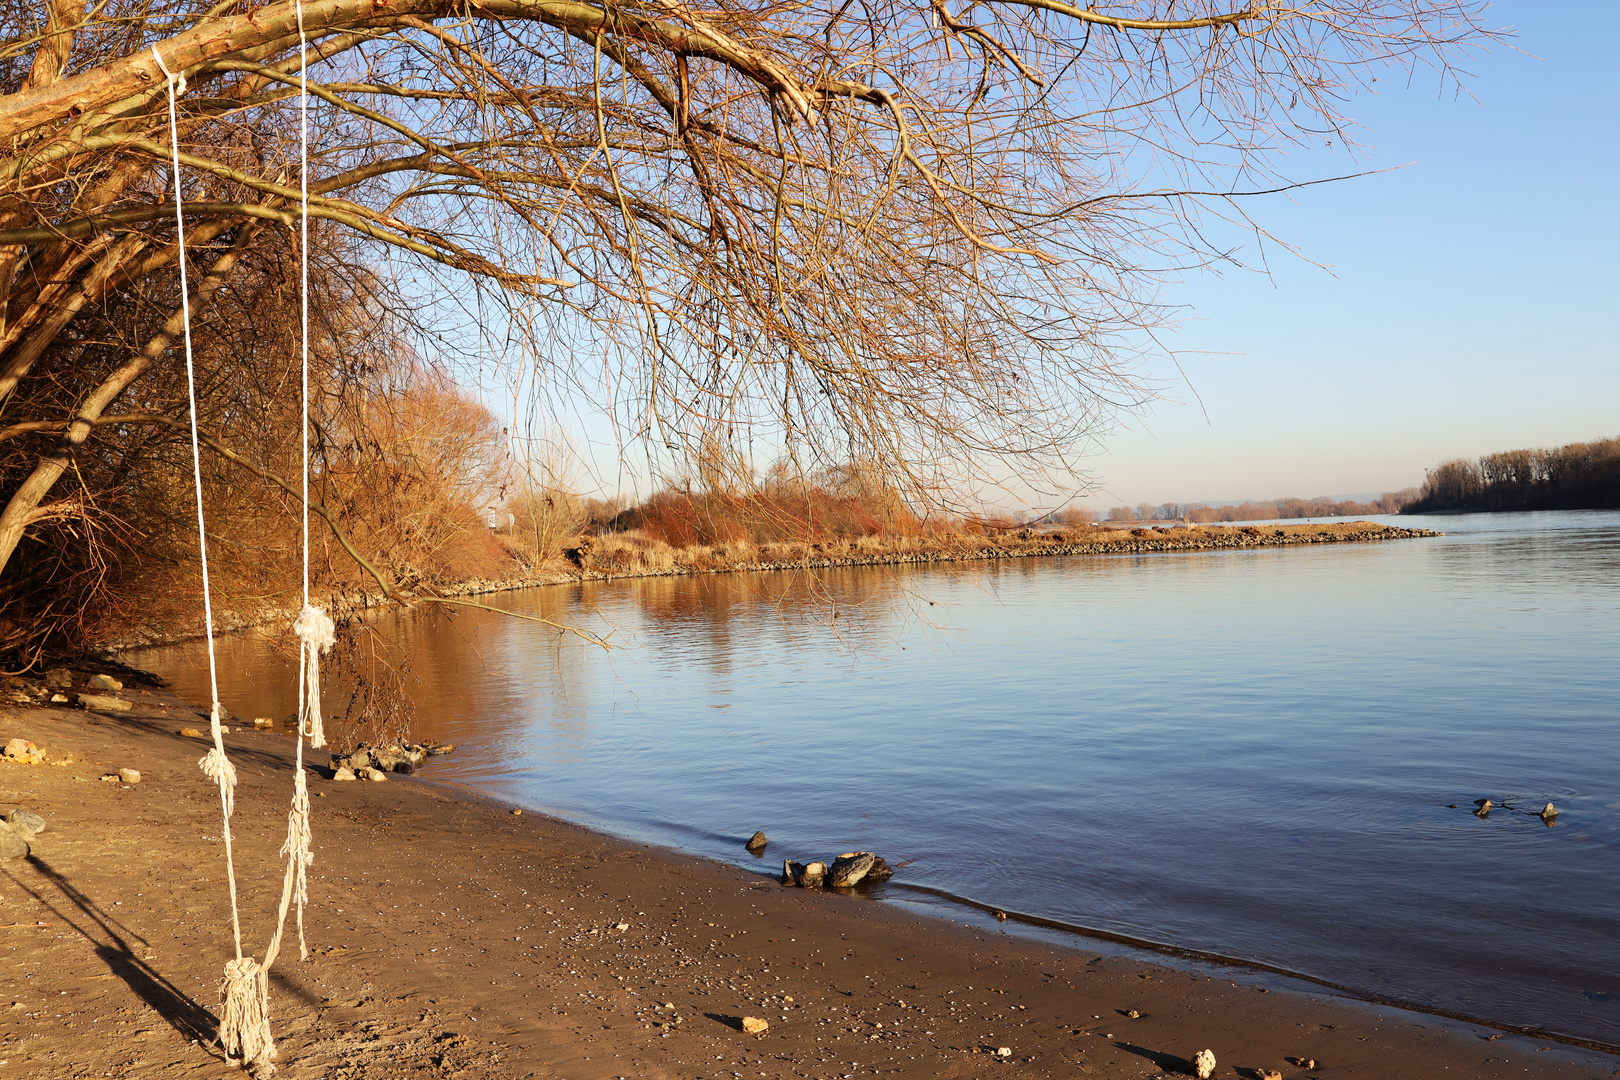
x=104 y=703
x=23 y=751
x=12 y=845
x=25 y=823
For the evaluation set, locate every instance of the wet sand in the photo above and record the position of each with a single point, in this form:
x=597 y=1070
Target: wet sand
x=452 y=938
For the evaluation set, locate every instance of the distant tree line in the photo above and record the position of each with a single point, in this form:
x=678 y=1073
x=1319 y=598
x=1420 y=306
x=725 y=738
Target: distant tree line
x=1580 y=476
x=1391 y=502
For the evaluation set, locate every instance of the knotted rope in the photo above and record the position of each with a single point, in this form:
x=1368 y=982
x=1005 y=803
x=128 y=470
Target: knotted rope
x=244 y=1030
x=316 y=634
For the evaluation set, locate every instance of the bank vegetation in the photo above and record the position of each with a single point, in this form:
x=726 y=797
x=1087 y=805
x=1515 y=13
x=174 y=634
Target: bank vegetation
x=1579 y=476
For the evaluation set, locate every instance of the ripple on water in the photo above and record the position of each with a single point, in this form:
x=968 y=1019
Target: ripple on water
x=1249 y=753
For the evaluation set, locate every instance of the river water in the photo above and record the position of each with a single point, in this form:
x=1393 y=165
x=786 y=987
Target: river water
x=1249 y=753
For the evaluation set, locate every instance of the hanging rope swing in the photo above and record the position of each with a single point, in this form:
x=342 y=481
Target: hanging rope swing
x=244 y=1030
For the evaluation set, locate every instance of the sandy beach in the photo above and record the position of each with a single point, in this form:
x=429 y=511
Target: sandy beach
x=452 y=937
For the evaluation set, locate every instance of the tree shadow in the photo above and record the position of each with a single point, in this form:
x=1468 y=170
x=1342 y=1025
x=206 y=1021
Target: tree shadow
x=112 y=941
x=1169 y=1063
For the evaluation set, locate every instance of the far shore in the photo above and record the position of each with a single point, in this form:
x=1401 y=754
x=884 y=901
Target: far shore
x=615 y=556
x=452 y=936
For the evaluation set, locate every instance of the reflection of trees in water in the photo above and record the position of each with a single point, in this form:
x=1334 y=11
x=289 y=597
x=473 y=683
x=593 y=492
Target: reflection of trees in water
x=857 y=608
x=480 y=676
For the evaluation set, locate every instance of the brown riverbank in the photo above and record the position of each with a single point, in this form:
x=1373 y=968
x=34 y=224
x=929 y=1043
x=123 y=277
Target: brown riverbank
x=622 y=555
x=451 y=938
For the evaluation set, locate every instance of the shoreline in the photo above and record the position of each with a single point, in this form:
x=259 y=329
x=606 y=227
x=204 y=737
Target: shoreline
x=453 y=937
x=1028 y=543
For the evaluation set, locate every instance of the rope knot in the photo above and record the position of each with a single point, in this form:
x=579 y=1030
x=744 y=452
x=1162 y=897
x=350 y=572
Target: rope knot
x=218 y=768
x=314 y=627
x=316 y=634
x=244 y=1028
x=177 y=81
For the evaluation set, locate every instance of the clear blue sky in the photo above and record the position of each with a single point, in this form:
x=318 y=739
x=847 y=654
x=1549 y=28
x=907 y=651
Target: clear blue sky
x=1471 y=301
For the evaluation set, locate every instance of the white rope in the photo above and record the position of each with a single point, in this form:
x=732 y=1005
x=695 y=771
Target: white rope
x=244 y=1028
x=313 y=627
x=245 y=1021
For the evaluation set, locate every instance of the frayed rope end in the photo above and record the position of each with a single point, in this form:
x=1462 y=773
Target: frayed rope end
x=244 y=1029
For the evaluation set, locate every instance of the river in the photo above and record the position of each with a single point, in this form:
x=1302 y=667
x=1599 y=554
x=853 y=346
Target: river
x=1271 y=755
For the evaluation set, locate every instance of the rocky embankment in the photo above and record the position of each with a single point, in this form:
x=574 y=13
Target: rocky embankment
x=610 y=557
x=598 y=561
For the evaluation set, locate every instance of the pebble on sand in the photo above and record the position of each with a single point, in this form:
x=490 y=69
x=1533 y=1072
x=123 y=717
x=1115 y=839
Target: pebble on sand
x=753 y=1025
x=1203 y=1064
x=129 y=776
x=343 y=772
x=103 y=703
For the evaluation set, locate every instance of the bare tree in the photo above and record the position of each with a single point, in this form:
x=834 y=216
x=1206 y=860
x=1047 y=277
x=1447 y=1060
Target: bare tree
x=903 y=234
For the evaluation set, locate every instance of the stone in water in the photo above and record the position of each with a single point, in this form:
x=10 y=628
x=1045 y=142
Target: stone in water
x=849 y=868
x=757 y=842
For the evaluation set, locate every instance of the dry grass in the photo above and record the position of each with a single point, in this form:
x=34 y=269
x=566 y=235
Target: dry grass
x=635 y=553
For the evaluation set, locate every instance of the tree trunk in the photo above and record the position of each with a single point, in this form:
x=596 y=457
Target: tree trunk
x=24 y=507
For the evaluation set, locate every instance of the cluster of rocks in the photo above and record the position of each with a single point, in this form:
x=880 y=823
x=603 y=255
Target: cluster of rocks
x=18 y=827
x=846 y=871
x=374 y=763
x=102 y=695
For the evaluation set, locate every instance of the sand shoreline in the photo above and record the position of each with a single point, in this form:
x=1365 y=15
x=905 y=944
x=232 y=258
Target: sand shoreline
x=453 y=938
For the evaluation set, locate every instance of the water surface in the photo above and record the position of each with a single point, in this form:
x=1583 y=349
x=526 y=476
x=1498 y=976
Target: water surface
x=1250 y=753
